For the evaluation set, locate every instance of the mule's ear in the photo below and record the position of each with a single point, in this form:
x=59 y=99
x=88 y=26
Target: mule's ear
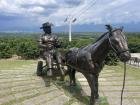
x=122 y=28
x=108 y=27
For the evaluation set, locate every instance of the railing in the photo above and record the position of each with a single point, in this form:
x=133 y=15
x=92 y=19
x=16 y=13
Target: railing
x=135 y=61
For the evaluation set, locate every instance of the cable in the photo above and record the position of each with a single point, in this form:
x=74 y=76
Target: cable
x=80 y=12
x=93 y=3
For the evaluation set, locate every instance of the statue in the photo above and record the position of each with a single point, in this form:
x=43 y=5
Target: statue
x=49 y=44
x=89 y=60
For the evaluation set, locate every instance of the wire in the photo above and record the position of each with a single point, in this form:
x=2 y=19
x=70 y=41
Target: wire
x=92 y=4
x=81 y=11
x=84 y=18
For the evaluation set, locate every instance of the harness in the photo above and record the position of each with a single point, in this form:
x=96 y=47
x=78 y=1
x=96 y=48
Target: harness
x=117 y=52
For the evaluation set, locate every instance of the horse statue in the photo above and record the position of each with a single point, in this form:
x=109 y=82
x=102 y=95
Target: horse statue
x=89 y=60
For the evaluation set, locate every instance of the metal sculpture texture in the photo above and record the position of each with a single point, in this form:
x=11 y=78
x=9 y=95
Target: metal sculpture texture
x=49 y=44
x=89 y=60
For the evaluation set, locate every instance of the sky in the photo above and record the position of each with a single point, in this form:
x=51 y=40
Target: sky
x=91 y=15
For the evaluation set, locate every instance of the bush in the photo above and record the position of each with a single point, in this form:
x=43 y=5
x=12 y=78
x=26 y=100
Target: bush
x=5 y=49
x=111 y=58
x=25 y=47
x=28 y=49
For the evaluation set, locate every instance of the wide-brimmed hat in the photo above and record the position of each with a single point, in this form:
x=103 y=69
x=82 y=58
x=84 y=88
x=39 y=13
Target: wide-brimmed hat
x=47 y=24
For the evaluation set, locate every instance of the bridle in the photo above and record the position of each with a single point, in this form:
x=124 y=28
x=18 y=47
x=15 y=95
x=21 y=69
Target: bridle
x=117 y=52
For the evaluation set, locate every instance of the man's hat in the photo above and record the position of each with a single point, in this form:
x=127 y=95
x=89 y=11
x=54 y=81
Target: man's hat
x=47 y=24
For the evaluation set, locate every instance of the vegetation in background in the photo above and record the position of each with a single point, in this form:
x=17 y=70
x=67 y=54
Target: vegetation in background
x=26 y=45
x=134 y=42
x=111 y=58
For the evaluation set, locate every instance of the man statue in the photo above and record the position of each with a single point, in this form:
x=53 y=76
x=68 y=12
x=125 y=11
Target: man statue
x=49 y=44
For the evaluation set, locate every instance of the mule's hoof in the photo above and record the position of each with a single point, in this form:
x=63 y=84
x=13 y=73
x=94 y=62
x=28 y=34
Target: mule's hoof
x=62 y=79
x=97 y=101
x=73 y=84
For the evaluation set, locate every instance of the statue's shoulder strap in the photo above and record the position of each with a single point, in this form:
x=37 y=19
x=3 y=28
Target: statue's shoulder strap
x=55 y=37
x=40 y=38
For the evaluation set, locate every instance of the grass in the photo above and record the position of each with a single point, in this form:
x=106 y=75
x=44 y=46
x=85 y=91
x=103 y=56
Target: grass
x=130 y=72
x=11 y=64
x=20 y=99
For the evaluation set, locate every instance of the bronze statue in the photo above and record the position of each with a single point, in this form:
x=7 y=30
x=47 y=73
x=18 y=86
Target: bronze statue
x=49 y=44
x=89 y=60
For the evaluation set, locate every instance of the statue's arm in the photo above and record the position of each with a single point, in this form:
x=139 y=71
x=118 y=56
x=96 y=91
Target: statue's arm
x=40 y=44
x=58 y=44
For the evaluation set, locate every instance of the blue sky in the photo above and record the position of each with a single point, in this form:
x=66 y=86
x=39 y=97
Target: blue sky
x=91 y=15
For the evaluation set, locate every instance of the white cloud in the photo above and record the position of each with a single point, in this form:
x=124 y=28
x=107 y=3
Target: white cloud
x=104 y=11
x=112 y=11
x=36 y=9
x=17 y=6
x=34 y=2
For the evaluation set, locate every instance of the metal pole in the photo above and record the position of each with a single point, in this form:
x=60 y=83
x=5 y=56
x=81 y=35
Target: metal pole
x=70 y=31
x=70 y=21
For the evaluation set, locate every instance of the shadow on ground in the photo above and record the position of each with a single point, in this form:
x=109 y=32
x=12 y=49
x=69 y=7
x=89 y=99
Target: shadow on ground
x=75 y=92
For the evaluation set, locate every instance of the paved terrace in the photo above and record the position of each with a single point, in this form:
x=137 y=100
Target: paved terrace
x=21 y=86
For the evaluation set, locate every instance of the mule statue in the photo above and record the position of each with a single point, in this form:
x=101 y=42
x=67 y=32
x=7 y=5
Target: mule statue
x=89 y=60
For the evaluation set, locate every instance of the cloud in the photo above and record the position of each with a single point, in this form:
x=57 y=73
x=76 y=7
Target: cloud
x=36 y=9
x=35 y=12
x=100 y=12
x=116 y=11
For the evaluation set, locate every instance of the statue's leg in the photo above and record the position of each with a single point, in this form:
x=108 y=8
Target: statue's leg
x=70 y=74
x=59 y=62
x=59 y=65
x=91 y=81
x=73 y=71
x=49 y=64
x=73 y=77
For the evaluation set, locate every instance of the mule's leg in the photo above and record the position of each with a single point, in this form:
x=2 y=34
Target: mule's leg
x=96 y=86
x=48 y=59
x=91 y=81
x=71 y=73
x=73 y=77
x=59 y=65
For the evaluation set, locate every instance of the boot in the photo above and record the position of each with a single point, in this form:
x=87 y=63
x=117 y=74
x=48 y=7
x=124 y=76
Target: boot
x=49 y=72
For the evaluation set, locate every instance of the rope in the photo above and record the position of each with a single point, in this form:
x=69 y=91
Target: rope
x=123 y=83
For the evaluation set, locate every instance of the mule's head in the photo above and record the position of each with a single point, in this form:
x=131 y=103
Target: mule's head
x=118 y=43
